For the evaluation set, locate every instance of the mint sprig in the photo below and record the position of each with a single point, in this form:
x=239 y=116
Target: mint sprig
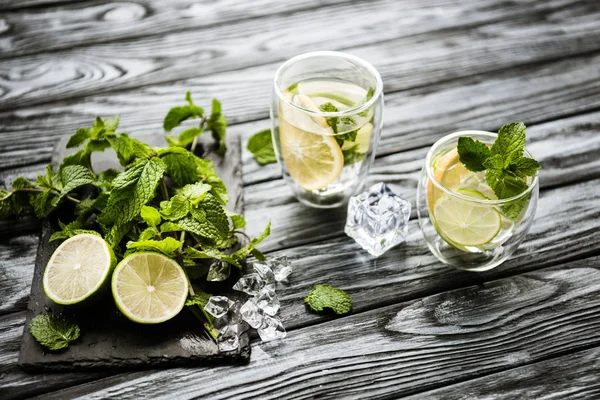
x=323 y=296
x=505 y=164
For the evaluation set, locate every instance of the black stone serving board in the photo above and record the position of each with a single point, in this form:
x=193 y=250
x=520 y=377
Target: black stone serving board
x=108 y=339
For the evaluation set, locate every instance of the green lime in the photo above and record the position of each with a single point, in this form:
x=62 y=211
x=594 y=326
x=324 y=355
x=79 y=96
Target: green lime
x=464 y=224
x=78 y=268
x=149 y=288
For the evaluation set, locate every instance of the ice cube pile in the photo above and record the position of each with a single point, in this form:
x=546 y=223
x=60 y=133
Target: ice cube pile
x=377 y=219
x=260 y=311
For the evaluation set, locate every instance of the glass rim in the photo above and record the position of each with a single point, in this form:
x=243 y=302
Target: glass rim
x=469 y=199
x=338 y=54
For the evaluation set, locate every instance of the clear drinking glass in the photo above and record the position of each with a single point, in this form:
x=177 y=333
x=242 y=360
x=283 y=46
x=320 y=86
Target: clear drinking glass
x=327 y=112
x=464 y=224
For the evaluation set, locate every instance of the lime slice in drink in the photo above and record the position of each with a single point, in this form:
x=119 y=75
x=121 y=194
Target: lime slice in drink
x=464 y=224
x=77 y=269
x=313 y=160
x=149 y=288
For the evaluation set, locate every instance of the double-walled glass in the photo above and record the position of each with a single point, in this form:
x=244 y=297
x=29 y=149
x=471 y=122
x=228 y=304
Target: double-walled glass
x=463 y=222
x=327 y=113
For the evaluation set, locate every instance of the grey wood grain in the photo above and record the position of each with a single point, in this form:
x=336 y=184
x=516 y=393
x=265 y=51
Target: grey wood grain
x=414 y=117
x=21 y=4
x=125 y=64
x=401 y=349
x=84 y=24
x=572 y=376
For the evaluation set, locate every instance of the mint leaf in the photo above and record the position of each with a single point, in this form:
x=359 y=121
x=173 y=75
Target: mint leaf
x=217 y=123
x=181 y=166
x=131 y=190
x=196 y=192
x=472 y=153
x=111 y=124
x=79 y=137
x=43 y=204
x=214 y=216
x=218 y=188
x=505 y=184
x=237 y=220
x=332 y=121
x=525 y=166
x=75 y=176
x=174 y=209
x=494 y=162
x=324 y=296
x=150 y=215
x=50 y=181
x=352 y=155
x=191 y=225
x=261 y=146
x=127 y=148
x=167 y=246
x=208 y=252
x=114 y=236
x=177 y=115
x=187 y=137
x=514 y=208
x=80 y=157
x=70 y=230
x=148 y=233
x=510 y=142
x=53 y=332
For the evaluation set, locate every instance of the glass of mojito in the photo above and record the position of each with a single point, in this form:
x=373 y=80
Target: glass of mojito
x=327 y=112
x=475 y=214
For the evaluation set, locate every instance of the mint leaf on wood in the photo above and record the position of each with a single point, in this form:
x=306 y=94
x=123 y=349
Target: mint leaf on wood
x=323 y=296
x=53 y=332
x=261 y=146
x=75 y=176
x=472 y=153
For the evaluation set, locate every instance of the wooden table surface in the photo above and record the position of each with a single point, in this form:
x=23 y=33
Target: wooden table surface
x=420 y=329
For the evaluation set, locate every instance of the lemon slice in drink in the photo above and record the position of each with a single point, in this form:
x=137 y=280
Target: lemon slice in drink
x=77 y=269
x=149 y=288
x=313 y=160
x=464 y=224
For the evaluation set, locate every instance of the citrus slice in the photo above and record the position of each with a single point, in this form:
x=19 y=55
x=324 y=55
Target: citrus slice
x=149 y=288
x=464 y=224
x=312 y=160
x=363 y=139
x=77 y=269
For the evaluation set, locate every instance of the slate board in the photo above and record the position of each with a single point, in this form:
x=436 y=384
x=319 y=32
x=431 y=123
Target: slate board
x=108 y=339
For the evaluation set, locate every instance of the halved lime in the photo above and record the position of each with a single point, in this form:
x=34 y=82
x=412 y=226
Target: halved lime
x=149 y=288
x=464 y=224
x=78 y=268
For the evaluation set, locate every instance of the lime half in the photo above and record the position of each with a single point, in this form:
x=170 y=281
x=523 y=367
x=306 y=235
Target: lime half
x=464 y=224
x=149 y=288
x=78 y=268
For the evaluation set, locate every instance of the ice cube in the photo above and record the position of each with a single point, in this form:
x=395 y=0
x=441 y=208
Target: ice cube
x=218 y=271
x=267 y=300
x=228 y=339
x=264 y=272
x=252 y=314
x=281 y=267
x=218 y=306
x=378 y=219
x=249 y=284
x=271 y=329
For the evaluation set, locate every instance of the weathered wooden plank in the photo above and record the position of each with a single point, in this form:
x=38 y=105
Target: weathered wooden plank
x=14 y=382
x=401 y=349
x=17 y=256
x=21 y=4
x=125 y=64
x=83 y=24
x=413 y=117
x=573 y=376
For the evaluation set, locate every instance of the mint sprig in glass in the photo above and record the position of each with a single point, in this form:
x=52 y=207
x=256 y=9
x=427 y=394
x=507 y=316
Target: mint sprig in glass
x=477 y=196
